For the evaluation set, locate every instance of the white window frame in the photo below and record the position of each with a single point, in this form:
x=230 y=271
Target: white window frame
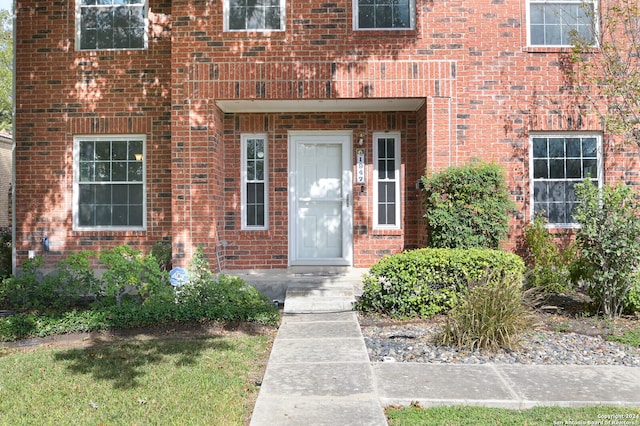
x=412 y=19
x=532 y=180
x=244 y=180
x=226 y=12
x=398 y=177
x=76 y=181
x=78 y=40
x=559 y=2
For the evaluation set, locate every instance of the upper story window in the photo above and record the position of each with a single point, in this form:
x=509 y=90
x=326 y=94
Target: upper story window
x=254 y=15
x=384 y=14
x=386 y=194
x=111 y=24
x=558 y=162
x=109 y=182
x=552 y=22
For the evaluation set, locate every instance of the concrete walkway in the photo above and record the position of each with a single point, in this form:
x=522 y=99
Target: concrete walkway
x=319 y=373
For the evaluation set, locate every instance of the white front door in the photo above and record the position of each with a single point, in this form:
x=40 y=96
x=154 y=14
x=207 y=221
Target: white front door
x=320 y=199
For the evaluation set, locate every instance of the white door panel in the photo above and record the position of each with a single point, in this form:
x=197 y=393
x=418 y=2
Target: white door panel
x=320 y=212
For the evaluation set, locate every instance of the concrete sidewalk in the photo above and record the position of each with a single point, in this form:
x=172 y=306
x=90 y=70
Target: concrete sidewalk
x=506 y=386
x=319 y=373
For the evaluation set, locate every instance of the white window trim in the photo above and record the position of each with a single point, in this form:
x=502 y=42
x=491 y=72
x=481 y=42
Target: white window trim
x=557 y=46
x=79 y=32
x=412 y=19
x=76 y=181
x=243 y=181
x=283 y=20
x=396 y=136
x=600 y=166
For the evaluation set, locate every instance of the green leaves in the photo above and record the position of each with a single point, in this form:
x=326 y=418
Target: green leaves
x=609 y=243
x=424 y=282
x=6 y=70
x=549 y=267
x=133 y=292
x=467 y=206
x=608 y=74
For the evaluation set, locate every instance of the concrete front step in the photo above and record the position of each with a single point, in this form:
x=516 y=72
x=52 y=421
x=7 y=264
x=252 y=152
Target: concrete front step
x=310 y=299
x=307 y=291
x=275 y=282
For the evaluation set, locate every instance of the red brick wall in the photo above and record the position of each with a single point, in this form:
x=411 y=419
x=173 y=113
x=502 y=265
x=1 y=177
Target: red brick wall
x=484 y=92
x=60 y=93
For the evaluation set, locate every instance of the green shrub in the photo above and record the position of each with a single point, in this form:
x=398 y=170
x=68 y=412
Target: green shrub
x=548 y=267
x=161 y=251
x=129 y=278
x=74 y=281
x=129 y=271
x=24 y=292
x=492 y=315
x=632 y=301
x=609 y=243
x=467 y=206
x=70 y=285
x=206 y=295
x=424 y=282
x=5 y=254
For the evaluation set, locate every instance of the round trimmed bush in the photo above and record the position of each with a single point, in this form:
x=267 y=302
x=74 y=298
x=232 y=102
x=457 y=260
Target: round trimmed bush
x=424 y=282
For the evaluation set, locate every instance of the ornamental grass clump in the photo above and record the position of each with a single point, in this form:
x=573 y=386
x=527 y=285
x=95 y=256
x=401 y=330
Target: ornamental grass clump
x=490 y=316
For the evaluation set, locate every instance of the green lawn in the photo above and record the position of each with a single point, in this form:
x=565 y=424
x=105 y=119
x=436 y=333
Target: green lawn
x=159 y=381
x=479 y=416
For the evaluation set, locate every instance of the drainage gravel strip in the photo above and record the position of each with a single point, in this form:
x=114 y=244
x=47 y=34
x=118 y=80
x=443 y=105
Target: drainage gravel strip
x=415 y=343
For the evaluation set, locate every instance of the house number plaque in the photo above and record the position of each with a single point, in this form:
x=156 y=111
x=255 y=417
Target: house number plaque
x=360 y=176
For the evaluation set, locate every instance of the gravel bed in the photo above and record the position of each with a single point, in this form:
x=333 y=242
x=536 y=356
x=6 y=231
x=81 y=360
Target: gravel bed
x=414 y=343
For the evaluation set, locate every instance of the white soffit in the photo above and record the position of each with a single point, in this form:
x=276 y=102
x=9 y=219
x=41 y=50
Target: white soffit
x=319 y=105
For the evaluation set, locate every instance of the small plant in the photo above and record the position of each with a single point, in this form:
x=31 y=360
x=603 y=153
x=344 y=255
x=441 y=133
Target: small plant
x=632 y=301
x=548 y=267
x=609 y=243
x=630 y=338
x=467 y=206
x=491 y=316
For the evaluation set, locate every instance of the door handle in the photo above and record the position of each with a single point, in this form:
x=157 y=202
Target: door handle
x=347 y=199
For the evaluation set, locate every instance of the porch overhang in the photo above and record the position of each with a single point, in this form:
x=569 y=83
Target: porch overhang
x=319 y=105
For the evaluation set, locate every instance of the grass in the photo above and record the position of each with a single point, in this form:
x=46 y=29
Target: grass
x=196 y=381
x=480 y=416
x=630 y=338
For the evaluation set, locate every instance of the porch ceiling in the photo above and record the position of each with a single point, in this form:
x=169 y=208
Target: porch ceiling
x=319 y=105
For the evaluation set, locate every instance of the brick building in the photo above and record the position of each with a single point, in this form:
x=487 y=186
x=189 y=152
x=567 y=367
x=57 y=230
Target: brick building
x=290 y=132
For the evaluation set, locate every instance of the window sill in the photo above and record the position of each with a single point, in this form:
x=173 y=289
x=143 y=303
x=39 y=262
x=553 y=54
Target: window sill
x=548 y=49
x=387 y=232
x=111 y=231
x=388 y=32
